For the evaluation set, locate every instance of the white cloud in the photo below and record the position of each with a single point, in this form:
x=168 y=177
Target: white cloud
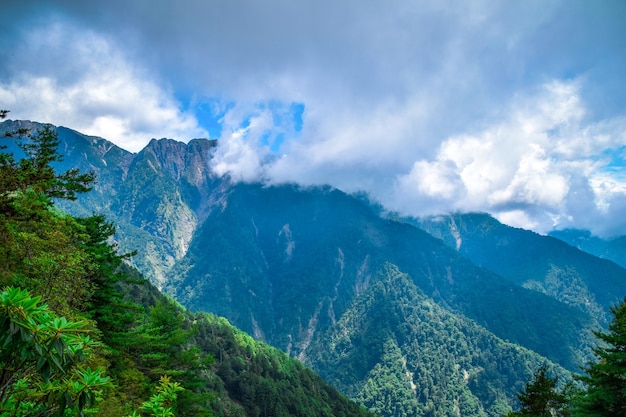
x=536 y=181
x=536 y=168
x=429 y=106
x=539 y=166
x=96 y=91
x=240 y=152
x=518 y=218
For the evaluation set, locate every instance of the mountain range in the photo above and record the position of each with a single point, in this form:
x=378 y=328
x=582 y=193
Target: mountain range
x=448 y=315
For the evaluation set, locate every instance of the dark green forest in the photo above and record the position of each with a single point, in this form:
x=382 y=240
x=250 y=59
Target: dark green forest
x=81 y=333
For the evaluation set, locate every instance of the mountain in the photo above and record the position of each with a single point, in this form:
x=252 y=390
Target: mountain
x=541 y=263
x=389 y=314
x=278 y=243
x=613 y=249
x=156 y=197
x=82 y=333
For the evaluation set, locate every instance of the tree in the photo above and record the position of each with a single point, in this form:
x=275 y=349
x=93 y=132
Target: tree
x=542 y=398
x=605 y=380
x=65 y=260
x=8 y=168
x=106 y=304
x=36 y=174
x=161 y=403
x=45 y=349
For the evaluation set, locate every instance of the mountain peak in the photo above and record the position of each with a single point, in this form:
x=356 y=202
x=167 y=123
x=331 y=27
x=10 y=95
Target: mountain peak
x=178 y=159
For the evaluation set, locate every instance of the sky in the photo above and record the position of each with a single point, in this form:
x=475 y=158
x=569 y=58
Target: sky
x=514 y=108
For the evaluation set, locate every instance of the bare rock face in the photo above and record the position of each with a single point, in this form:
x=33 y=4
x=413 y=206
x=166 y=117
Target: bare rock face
x=163 y=197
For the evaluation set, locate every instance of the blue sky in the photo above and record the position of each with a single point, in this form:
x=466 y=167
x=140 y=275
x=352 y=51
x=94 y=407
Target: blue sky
x=516 y=108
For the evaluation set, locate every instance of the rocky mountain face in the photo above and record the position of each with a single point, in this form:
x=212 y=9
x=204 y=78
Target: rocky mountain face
x=429 y=317
x=167 y=191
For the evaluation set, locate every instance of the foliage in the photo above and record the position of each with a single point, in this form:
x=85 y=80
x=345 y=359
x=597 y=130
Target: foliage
x=389 y=387
x=542 y=398
x=603 y=393
x=605 y=379
x=42 y=359
x=264 y=380
x=106 y=342
x=36 y=172
x=160 y=404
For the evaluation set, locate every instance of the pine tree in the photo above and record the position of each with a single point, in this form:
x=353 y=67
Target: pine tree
x=35 y=174
x=542 y=398
x=605 y=379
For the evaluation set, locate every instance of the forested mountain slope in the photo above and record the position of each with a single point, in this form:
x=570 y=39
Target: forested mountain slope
x=370 y=303
x=292 y=266
x=540 y=263
x=399 y=353
x=81 y=333
x=284 y=263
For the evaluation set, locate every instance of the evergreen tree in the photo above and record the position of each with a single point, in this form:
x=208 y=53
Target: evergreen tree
x=542 y=398
x=37 y=171
x=605 y=380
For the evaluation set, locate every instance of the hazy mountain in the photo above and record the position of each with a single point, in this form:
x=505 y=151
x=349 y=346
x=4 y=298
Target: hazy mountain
x=541 y=263
x=613 y=249
x=396 y=318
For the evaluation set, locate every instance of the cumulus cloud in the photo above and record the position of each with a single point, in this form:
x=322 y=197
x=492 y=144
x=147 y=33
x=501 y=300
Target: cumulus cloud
x=81 y=82
x=240 y=152
x=250 y=135
x=540 y=168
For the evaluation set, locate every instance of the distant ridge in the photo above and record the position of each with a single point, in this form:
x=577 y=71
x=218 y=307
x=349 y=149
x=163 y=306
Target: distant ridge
x=613 y=249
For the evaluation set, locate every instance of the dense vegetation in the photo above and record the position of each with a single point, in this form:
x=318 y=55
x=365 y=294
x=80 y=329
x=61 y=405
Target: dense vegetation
x=601 y=391
x=384 y=311
x=541 y=263
x=83 y=334
x=412 y=357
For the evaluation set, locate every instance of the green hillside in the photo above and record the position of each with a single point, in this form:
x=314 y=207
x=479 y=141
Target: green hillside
x=395 y=318
x=81 y=333
x=540 y=263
